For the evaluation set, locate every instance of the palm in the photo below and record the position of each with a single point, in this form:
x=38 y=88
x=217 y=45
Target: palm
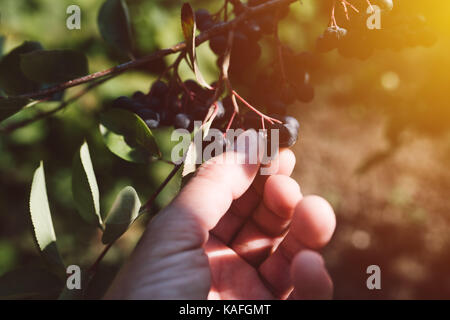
x=251 y=249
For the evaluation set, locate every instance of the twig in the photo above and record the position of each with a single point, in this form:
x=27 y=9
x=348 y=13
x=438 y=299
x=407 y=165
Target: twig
x=42 y=115
x=93 y=268
x=149 y=202
x=204 y=36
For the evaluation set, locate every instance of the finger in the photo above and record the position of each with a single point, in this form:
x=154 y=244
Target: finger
x=312 y=227
x=310 y=278
x=208 y=195
x=231 y=277
x=283 y=164
x=254 y=242
x=240 y=210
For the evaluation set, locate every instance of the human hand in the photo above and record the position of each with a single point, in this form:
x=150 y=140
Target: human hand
x=233 y=234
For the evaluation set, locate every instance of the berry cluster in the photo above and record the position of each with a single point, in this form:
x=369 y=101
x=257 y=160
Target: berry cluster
x=181 y=106
x=284 y=79
x=164 y=105
x=274 y=88
x=353 y=39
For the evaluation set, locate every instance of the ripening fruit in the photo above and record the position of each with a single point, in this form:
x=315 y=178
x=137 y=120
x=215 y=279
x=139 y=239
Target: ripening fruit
x=252 y=121
x=330 y=39
x=175 y=105
x=147 y=114
x=182 y=121
x=159 y=89
x=193 y=86
x=154 y=102
x=288 y=120
x=252 y=30
x=122 y=102
x=218 y=44
x=287 y=135
x=139 y=96
x=203 y=19
x=152 y=123
x=386 y=4
x=267 y=23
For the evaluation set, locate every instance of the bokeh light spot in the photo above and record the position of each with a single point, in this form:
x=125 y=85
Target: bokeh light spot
x=390 y=80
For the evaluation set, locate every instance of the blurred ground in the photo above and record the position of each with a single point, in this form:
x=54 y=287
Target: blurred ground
x=394 y=216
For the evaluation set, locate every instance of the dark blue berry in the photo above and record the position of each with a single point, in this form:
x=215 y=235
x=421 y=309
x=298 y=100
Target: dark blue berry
x=159 y=89
x=182 y=121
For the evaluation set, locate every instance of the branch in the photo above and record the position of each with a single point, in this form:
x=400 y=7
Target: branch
x=42 y=115
x=205 y=36
x=149 y=203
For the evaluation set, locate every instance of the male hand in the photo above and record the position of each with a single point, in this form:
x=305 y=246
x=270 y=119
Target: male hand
x=233 y=234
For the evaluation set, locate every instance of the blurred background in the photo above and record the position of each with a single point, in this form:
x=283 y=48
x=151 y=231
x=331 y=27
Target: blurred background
x=375 y=142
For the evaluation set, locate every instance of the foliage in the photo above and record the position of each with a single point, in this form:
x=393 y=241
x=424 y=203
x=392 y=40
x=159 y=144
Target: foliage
x=126 y=147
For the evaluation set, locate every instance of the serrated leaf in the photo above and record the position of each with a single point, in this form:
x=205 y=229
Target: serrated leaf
x=194 y=152
x=127 y=136
x=12 y=79
x=42 y=220
x=123 y=213
x=84 y=187
x=28 y=283
x=10 y=106
x=53 y=66
x=114 y=25
x=189 y=27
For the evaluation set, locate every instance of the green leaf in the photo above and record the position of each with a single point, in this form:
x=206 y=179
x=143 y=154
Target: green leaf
x=194 y=152
x=127 y=136
x=84 y=187
x=114 y=25
x=42 y=220
x=124 y=211
x=10 y=106
x=28 y=283
x=189 y=27
x=12 y=79
x=53 y=66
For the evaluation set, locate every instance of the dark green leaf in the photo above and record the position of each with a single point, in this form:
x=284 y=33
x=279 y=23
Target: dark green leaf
x=53 y=66
x=12 y=79
x=9 y=106
x=124 y=211
x=194 y=153
x=189 y=27
x=84 y=187
x=114 y=25
x=28 y=283
x=127 y=136
x=42 y=220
